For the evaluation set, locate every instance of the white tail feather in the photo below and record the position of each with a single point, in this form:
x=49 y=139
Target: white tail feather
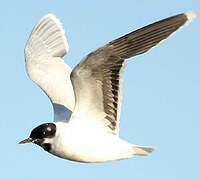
x=142 y=150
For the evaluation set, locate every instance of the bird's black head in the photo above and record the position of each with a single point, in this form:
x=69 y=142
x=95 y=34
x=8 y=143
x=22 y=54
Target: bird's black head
x=46 y=130
x=40 y=133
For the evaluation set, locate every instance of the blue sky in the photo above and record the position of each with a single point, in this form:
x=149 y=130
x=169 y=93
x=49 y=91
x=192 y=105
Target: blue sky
x=161 y=88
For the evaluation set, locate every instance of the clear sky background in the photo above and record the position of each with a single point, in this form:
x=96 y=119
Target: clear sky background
x=161 y=90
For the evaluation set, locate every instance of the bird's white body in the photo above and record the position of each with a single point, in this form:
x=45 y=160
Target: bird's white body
x=88 y=98
x=88 y=144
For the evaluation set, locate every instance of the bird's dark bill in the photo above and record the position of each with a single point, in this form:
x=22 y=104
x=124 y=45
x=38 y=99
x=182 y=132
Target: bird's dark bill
x=29 y=140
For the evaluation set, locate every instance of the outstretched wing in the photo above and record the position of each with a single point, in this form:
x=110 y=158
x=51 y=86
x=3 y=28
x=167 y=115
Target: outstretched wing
x=97 y=79
x=44 y=64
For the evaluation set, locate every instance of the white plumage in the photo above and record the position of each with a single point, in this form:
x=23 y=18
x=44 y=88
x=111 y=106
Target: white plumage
x=45 y=66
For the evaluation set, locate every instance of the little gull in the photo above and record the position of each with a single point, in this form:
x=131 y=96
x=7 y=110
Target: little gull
x=88 y=99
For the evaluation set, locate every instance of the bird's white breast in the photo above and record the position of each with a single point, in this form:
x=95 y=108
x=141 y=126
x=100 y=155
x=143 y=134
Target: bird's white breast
x=84 y=144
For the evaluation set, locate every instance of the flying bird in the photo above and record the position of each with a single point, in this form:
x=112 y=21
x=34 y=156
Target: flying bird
x=87 y=99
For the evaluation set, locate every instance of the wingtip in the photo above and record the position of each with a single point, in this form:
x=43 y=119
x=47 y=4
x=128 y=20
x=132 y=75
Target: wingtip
x=191 y=15
x=59 y=24
x=50 y=17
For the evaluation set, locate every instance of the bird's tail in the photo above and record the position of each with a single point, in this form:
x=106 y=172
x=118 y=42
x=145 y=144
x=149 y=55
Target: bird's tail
x=142 y=150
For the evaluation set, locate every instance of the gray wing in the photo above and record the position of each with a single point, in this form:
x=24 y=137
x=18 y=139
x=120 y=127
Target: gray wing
x=97 y=80
x=44 y=64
